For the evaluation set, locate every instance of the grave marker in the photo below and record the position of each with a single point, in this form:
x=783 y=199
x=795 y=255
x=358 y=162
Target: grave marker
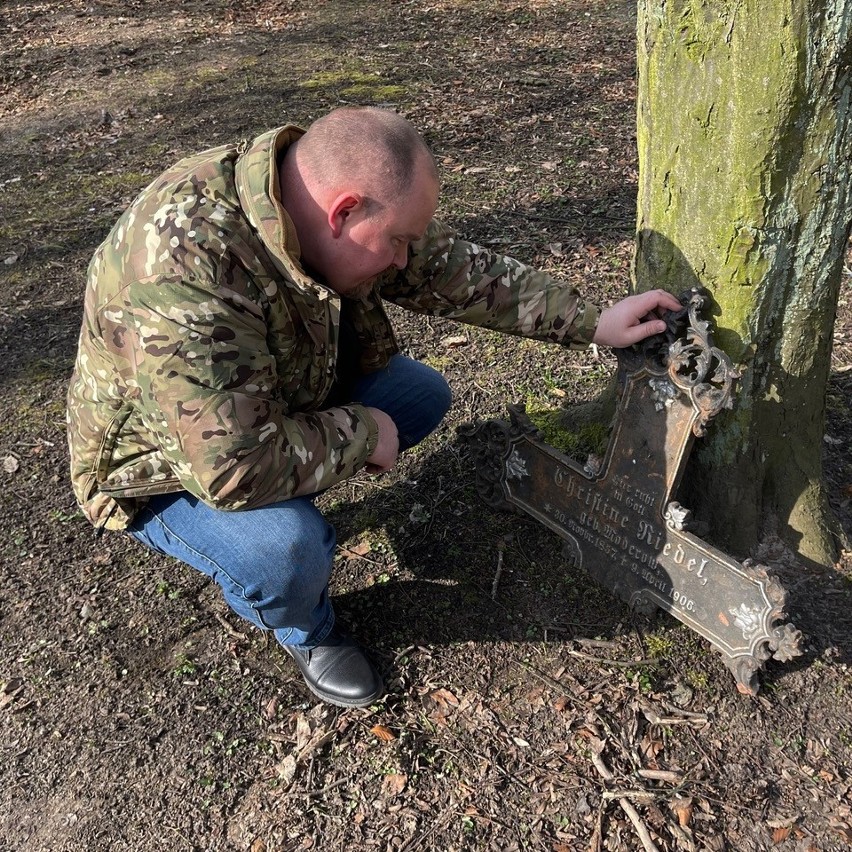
x=619 y=519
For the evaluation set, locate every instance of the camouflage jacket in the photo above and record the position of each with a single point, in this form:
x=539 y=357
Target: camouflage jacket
x=206 y=352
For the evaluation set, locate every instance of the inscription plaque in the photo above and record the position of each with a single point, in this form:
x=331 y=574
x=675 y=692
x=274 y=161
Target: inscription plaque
x=618 y=518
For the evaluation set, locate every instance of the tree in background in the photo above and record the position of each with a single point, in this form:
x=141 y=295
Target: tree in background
x=745 y=153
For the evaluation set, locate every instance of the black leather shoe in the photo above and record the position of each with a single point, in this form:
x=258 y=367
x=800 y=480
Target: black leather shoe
x=338 y=671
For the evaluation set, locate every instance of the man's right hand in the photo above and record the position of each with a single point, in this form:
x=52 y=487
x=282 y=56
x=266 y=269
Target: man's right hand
x=384 y=455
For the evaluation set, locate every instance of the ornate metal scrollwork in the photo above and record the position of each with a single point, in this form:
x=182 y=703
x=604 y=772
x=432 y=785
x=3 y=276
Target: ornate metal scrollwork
x=685 y=351
x=698 y=367
x=784 y=640
x=491 y=445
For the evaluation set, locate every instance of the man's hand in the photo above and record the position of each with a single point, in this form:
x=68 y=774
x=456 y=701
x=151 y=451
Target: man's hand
x=387 y=449
x=634 y=318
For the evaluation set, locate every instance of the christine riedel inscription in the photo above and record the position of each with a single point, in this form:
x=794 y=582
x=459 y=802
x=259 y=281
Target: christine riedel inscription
x=620 y=522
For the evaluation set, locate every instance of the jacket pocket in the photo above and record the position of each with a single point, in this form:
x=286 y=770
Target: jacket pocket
x=142 y=470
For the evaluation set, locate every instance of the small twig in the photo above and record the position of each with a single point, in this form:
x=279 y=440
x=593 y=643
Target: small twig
x=231 y=631
x=414 y=842
x=686 y=714
x=610 y=662
x=310 y=794
x=603 y=769
x=597 y=643
x=634 y=817
x=632 y=813
x=179 y=833
x=403 y=653
x=554 y=684
x=684 y=717
x=641 y=795
x=501 y=546
x=661 y=775
x=353 y=554
x=684 y=838
x=596 y=841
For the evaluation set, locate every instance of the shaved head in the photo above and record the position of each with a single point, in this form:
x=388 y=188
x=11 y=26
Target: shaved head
x=374 y=148
x=360 y=186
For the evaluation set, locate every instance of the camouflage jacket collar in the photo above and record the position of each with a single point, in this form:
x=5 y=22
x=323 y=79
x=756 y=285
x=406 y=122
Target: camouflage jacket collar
x=257 y=186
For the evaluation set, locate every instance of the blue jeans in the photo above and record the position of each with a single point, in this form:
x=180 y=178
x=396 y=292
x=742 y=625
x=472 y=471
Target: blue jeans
x=273 y=563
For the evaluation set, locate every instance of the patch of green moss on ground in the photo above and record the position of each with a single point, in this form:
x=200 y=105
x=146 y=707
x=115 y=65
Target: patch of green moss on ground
x=588 y=437
x=356 y=85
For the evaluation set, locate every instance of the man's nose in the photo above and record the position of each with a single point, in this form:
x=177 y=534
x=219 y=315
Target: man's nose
x=400 y=258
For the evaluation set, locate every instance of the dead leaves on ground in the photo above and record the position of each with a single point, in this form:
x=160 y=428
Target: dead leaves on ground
x=440 y=705
x=624 y=752
x=310 y=733
x=383 y=733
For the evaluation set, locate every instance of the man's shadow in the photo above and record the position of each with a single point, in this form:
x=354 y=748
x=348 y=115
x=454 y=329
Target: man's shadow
x=444 y=568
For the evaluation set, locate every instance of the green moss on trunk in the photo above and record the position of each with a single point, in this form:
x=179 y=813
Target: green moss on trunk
x=744 y=172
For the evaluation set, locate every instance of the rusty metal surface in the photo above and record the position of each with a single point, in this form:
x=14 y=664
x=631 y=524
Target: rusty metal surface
x=621 y=523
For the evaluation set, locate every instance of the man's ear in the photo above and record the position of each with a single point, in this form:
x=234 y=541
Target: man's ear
x=341 y=208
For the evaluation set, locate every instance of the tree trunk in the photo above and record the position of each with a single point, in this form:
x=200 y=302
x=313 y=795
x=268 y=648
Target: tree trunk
x=744 y=188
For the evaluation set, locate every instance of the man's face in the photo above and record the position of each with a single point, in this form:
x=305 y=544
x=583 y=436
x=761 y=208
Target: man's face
x=372 y=241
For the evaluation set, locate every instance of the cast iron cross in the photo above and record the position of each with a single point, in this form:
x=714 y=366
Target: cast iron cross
x=619 y=519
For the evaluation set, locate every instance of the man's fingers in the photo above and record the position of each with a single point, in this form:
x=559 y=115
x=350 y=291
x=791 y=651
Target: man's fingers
x=639 y=332
x=661 y=299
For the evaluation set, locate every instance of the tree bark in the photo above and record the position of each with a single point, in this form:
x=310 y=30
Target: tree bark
x=744 y=188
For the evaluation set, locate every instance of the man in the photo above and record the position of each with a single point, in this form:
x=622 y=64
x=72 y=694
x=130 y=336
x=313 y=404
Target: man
x=235 y=359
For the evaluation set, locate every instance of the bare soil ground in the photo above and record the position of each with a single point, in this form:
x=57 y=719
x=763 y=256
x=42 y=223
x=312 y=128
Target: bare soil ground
x=136 y=713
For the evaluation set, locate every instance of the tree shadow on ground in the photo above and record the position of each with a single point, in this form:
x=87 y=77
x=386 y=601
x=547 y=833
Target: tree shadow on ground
x=449 y=599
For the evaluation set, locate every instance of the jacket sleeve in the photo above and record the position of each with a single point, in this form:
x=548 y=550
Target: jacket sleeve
x=452 y=278
x=202 y=380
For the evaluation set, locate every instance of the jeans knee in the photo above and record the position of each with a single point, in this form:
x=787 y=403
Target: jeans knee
x=309 y=543
x=443 y=396
x=282 y=575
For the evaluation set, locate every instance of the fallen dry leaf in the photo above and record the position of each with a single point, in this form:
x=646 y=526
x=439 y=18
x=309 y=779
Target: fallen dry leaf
x=536 y=696
x=394 y=784
x=443 y=703
x=683 y=811
x=270 y=709
x=779 y=835
x=303 y=731
x=286 y=770
x=466 y=790
x=649 y=748
x=360 y=549
x=383 y=733
x=11 y=691
x=444 y=698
